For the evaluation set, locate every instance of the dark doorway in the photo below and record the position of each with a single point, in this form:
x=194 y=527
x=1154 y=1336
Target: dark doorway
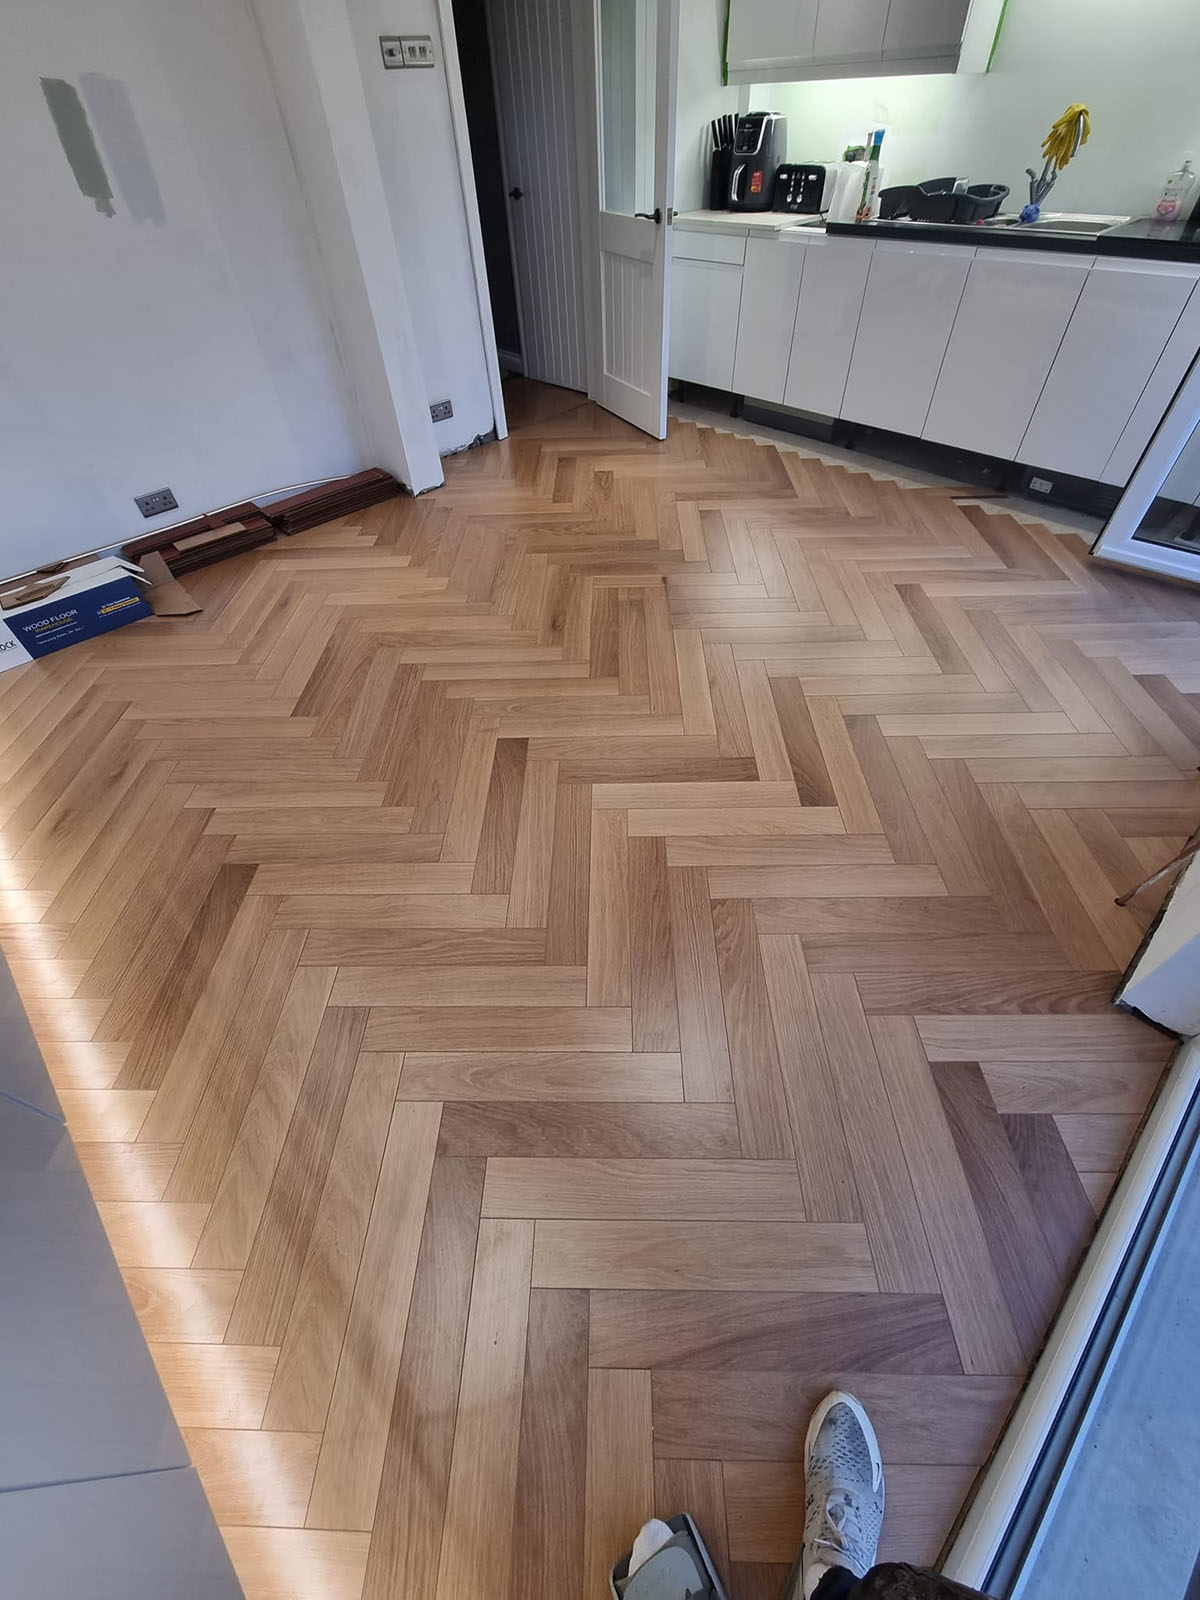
x=475 y=63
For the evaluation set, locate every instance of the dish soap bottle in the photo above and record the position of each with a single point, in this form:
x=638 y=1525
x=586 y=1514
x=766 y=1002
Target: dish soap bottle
x=1173 y=197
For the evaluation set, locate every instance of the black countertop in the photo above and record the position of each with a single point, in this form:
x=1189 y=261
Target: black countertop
x=1153 y=241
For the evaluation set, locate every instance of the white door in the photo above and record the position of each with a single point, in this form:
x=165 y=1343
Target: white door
x=637 y=47
x=532 y=46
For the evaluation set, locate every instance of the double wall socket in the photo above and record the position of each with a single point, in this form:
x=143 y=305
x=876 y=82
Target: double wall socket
x=155 y=503
x=406 y=50
x=440 y=410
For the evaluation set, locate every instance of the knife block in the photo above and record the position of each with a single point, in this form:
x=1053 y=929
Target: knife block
x=718 y=182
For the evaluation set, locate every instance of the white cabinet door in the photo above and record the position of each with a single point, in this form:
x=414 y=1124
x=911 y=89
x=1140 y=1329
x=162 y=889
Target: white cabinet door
x=850 y=30
x=924 y=28
x=1125 y=315
x=831 y=297
x=1011 y=319
x=705 y=297
x=770 y=289
x=912 y=296
x=1155 y=399
x=770 y=33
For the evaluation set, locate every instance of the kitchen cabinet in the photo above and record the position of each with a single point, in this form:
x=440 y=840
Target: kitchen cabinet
x=781 y=41
x=705 y=298
x=912 y=296
x=770 y=290
x=1011 y=319
x=767 y=35
x=851 y=30
x=924 y=28
x=832 y=287
x=1169 y=372
x=1120 y=327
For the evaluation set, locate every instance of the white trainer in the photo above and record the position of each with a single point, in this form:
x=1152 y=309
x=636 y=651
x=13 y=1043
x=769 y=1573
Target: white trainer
x=843 y=1476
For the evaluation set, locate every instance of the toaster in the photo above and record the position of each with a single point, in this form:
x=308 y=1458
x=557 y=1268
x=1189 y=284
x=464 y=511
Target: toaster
x=806 y=188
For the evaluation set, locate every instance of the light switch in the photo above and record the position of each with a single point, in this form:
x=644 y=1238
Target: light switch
x=390 y=46
x=418 y=50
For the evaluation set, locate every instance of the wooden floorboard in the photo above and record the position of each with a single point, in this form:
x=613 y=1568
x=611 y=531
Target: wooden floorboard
x=548 y=978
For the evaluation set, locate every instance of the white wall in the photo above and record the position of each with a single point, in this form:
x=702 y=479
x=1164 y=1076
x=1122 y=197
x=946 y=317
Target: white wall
x=197 y=352
x=1134 y=65
x=700 y=98
x=410 y=116
x=315 y=71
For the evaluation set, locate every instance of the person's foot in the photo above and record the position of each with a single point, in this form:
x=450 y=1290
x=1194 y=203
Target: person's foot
x=843 y=1477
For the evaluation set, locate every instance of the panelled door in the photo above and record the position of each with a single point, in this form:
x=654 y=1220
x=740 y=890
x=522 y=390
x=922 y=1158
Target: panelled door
x=533 y=44
x=636 y=54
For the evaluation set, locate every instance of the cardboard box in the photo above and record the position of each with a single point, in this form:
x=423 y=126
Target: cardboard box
x=97 y=596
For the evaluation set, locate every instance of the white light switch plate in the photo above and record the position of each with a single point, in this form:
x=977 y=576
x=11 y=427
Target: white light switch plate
x=389 y=46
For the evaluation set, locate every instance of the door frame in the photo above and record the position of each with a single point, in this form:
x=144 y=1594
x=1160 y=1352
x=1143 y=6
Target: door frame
x=466 y=174
x=584 y=61
x=581 y=20
x=1117 y=543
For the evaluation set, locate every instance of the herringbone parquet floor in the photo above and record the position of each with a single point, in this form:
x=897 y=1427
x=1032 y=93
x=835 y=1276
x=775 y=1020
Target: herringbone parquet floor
x=547 y=977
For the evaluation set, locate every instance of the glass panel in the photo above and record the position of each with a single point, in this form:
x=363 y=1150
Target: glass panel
x=1174 y=516
x=628 y=32
x=1127 y=1517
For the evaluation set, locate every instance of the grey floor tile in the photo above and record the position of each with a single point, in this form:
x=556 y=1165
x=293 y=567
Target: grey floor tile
x=147 y=1537
x=79 y=1395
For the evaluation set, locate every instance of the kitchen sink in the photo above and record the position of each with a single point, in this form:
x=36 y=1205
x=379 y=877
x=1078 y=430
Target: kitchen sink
x=1061 y=222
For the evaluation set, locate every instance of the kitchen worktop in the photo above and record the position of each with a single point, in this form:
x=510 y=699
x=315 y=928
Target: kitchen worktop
x=756 y=222
x=1138 y=238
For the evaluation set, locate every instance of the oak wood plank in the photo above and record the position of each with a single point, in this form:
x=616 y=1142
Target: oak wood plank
x=645 y=1188
x=356 y=1427
x=512 y=1128
x=703 y=1044
x=490 y=1027
x=702 y=1255
x=460 y=986
x=542 y=1075
x=608 y=944
x=760 y=1087
x=548 y=1519
x=619 y=1429
x=987 y=1340
x=762 y=1416
x=875 y=1154
x=763 y=1331
x=407 y=1539
x=478 y=1528
x=826 y=1172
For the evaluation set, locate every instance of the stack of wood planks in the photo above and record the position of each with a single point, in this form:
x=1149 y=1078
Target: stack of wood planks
x=218 y=534
x=327 y=501
x=208 y=538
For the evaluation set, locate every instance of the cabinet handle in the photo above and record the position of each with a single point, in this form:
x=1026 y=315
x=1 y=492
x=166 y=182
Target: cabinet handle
x=516 y=194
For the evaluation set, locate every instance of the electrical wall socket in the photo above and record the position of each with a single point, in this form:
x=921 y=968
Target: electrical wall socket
x=418 y=50
x=155 y=503
x=1041 y=485
x=440 y=410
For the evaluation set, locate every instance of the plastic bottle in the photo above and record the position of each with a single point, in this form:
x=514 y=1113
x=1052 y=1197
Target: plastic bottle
x=1173 y=198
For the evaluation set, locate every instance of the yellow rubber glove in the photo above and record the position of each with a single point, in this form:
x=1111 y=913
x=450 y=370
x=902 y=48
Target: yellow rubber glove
x=1058 y=145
